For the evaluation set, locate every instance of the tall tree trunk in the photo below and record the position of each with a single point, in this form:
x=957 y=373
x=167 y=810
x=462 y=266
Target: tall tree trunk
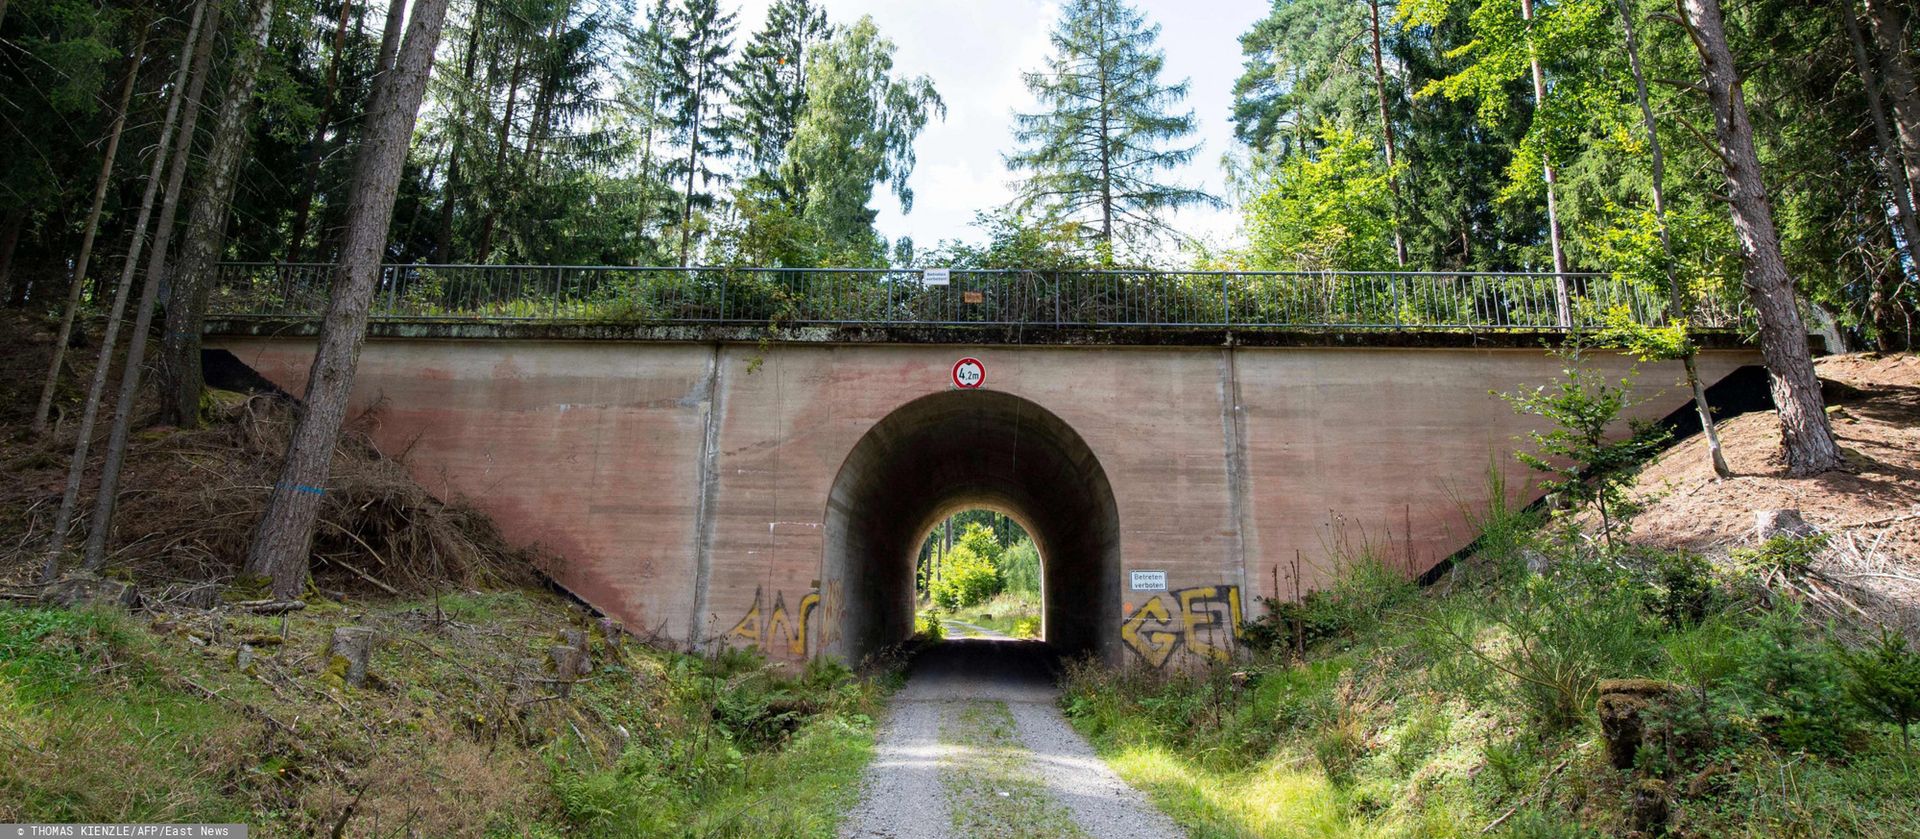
x=76 y=471
x=1806 y=437
x=483 y=251
x=79 y=282
x=1387 y=133
x=693 y=167
x=1563 y=298
x=1676 y=291
x=180 y=376
x=1883 y=304
x=443 y=239
x=1889 y=32
x=10 y=238
x=284 y=539
x=107 y=497
x=310 y=165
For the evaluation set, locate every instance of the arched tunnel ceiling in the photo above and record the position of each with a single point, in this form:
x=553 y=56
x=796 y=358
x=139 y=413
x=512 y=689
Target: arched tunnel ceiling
x=959 y=449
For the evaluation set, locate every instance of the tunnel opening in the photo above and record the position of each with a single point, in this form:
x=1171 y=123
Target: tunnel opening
x=977 y=574
x=961 y=450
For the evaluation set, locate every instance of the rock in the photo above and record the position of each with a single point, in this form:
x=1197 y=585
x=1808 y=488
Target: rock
x=348 y=654
x=614 y=632
x=1770 y=523
x=569 y=664
x=1537 y=562
x=88 y=590
x=1622 y=706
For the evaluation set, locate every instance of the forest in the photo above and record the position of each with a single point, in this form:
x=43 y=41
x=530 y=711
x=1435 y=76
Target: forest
x=1766 y=152
x=1570 y=135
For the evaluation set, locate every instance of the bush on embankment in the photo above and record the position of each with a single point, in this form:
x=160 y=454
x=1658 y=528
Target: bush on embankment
x=1474 y=708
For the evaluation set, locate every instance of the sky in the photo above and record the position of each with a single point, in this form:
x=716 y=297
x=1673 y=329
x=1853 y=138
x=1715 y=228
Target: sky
x=975 y=51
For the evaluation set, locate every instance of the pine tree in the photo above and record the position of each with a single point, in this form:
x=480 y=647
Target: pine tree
x=773 y=81
x=1106 y=134
x=696 y=80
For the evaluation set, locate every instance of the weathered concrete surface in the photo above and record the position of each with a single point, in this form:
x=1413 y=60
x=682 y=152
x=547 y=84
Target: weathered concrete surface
x=1218 y=466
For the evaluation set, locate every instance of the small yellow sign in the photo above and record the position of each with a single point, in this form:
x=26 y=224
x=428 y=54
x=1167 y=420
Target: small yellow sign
x=973 y=297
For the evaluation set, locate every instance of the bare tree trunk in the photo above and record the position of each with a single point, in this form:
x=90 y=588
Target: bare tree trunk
x=1677 y=301
x=1562 y=296
x=443 y=244
x=9 y=238
x=302 y=213
x=284 y=539
x=76 y=471
x=1807 y=438
x=79 y=282
x=693 y=168
x=180 y=377
x=1890 y=34
x=483 y=250
x=1387 y=133
x=108 y=495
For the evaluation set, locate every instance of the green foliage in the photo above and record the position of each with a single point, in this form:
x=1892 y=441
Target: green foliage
x=857 y=130
x=1582 y=451
x=927 y=625
x=1020 y=567
x=1356 y=603
x=965 y=579
x=1784 y=553
x=1886 y=681
x=1327 y=209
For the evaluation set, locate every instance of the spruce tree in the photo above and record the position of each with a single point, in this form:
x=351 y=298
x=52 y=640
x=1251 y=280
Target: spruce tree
x=1107 y=133
x=696 y=81
x=773 y=81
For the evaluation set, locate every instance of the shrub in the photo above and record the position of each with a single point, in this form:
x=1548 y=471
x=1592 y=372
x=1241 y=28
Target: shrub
x=966 y=578
x=1353 y=605
x=927 y=626
x=1026 y=627
x=1585 y=461
x=1781 y=555
x=1802 y=698
x=1886 y=681
x=1682 y=588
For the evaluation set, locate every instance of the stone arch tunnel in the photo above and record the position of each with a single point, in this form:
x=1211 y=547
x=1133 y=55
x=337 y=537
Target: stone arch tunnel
x=950 y=451
x=731 y=490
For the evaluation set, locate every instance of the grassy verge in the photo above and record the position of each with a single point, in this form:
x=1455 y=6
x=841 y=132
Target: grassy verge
x=220 y=716
x=1471 y=709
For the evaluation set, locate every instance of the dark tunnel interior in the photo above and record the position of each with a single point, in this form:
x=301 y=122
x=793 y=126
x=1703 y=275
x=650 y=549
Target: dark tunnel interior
x=952 y=451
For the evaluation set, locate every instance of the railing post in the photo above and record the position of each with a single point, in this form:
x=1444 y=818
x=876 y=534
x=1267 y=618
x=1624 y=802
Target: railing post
x=1226 y=307
x=1056 y=300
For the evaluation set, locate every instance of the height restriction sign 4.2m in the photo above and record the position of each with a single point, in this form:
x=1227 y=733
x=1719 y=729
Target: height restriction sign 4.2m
x=969 y=373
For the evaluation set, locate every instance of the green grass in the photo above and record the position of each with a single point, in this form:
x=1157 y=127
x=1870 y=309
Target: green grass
x=1444 y=713
x=104 y=717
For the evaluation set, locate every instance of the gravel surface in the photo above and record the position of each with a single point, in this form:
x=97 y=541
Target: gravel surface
x=974 y=746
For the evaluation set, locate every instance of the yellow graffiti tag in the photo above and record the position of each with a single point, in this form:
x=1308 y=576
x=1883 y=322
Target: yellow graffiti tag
x=1208 y=623
x=1153 y=645
x=767 y=629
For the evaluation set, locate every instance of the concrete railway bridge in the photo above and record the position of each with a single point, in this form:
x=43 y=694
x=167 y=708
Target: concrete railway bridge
x=752 y=457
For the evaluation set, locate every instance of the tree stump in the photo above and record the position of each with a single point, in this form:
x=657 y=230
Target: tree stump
x=615 y=634
x=1770 y=523
x=1651 y=808
x=81 y=590
x=348 y=654
x=1623 y=705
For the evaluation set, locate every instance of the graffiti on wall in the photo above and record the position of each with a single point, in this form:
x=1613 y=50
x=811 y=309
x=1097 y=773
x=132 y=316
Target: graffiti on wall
x=1203 y=619
x=776 y=628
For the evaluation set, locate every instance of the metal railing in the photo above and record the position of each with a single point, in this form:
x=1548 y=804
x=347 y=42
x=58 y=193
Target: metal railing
x=834 y=296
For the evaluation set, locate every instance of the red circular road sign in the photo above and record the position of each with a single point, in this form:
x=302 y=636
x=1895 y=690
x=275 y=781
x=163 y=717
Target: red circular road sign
x=969 y=373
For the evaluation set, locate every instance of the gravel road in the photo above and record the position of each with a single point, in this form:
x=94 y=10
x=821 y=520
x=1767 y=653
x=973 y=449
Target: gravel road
x=973 y=746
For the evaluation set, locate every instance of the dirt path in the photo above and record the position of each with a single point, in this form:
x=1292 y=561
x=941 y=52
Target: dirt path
x=973 y=747
x=962 y=629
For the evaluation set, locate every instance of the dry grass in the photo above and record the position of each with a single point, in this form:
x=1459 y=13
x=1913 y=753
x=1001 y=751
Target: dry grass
x=191 y=497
